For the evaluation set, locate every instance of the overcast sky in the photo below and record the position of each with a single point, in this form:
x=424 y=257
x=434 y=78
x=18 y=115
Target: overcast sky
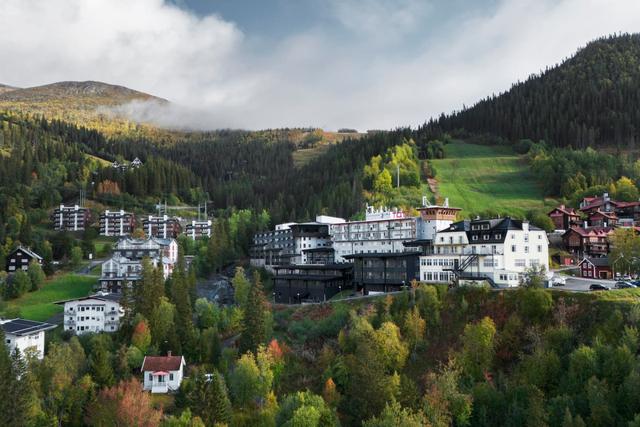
x=274 y=63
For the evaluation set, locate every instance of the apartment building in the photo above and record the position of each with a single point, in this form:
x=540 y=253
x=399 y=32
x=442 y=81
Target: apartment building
x=117 y=223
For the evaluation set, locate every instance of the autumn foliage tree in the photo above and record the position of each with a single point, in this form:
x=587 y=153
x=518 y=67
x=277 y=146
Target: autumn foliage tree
x=125 y=404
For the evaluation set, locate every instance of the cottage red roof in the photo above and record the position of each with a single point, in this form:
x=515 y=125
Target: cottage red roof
x=591 y=231
x=565 y=210
x=161 y=363
x=611 y=215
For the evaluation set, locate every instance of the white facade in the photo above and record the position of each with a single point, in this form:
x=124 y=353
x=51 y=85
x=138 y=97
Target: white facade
x=198 y=229
x=98 y=313
x=116 y=223
x=162 y=374
x=25 y=335
x=382 y=231
x=501 y=250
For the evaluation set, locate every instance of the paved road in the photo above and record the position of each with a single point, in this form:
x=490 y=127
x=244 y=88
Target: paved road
x=87 y=269
x=578 y=284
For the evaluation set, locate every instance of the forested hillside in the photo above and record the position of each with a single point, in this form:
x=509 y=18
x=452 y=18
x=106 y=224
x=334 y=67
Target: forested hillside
x=591 y=99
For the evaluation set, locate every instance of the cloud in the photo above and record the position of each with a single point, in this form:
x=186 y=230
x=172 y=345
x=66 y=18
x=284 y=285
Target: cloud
x=372 y=64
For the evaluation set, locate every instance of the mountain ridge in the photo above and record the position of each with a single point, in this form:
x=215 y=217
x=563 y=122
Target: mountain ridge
x=590 y=99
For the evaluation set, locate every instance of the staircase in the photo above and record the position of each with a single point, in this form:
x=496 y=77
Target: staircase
x=460 y=273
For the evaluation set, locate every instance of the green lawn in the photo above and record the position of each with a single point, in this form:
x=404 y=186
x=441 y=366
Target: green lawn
x=39 y=305
x=481 y=178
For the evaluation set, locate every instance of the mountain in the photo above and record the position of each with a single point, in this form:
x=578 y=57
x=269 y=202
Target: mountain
x=92 y=91
x=5 y=88
x=90 y=104
x=590 y=99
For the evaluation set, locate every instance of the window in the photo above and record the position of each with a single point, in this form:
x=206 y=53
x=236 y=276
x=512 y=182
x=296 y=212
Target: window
x=539 y=248
x=485 y=237
x=170 y=377
x=150 y=377
x=526 y=249
x=474 y=238
x=521 y=263
x=513 y=248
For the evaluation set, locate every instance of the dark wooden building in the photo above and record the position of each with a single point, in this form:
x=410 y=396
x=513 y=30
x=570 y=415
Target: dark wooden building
x=295 y=284
x=595 y=268
x=384 y=272
x=563 y=217
x=20 y=258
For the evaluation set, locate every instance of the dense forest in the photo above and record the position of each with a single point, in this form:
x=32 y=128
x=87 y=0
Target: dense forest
x=590 y=100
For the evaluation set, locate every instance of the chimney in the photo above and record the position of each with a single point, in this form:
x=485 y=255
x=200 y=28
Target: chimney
x=169 y=353
x=525 y=226
x=561 y=206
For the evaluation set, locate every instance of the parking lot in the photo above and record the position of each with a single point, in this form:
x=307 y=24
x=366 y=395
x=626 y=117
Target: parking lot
x=578 y=284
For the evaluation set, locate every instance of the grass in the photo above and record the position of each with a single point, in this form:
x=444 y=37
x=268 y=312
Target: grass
x=39 y=305
x=481 y=178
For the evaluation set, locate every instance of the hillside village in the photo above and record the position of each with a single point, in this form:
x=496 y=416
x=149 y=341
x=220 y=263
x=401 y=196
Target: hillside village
x=478 y=269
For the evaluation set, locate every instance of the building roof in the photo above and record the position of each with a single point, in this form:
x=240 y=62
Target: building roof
x=495 y=224
x=24 y=327
x=319 y=250
x=610 y=215
x=590 y=231
x=101 y=297
x=565 y=210
x=318 y=277
x=382 y=255
x=28 y=252
x=598 y=262
x=161 y=363
x=334 y=266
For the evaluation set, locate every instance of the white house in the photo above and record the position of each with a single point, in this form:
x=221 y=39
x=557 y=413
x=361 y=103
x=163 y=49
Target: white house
x=25 y=334
x=96 y=313
x=125 y=265
x=162 y=374
x=499 y=250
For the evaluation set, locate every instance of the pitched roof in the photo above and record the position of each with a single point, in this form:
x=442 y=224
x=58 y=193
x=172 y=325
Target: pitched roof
x=161 y=363
x=611 y=215
x=590 y=232
x=565 y=210
x=598 y=262
x=101 y=297
x=24 y=327
x=28 y=252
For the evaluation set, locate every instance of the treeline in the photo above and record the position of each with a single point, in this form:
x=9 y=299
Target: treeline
x=591 y=99
x=574 y=174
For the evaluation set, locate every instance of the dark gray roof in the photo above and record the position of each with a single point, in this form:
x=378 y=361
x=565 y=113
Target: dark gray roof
x=383 y=255
x=598 y=262
x=27 y=251
x=319 y=250
x=334 y=266
x=25 y=327
x=496 y=231
x=104 y=297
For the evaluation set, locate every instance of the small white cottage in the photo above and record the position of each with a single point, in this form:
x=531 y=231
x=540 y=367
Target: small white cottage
x=163 y=374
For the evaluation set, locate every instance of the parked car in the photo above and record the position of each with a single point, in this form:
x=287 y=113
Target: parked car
x=598 y=287
x=558 y=281
x=624 y=285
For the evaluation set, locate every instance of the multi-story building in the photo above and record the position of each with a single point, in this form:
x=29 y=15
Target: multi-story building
x=384 y=231
x=96 y=313
x=587 y=241
x=70 y=218
x=290 y=243
x=294 y=284
x=20 y=258
x=198 y=229
x=384 y=272
x=496 y=250
x=25 y=335
x=117 y=223
x=125 y=266
x=163 y=227
x=564 y=217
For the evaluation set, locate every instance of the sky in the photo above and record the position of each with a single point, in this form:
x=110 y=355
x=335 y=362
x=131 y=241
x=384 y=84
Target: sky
x=363 y=64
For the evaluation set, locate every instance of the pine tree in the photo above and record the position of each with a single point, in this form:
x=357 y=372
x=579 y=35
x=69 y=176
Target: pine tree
x=100 y=362
x=7 y=386
x=254 y=324
x=218 y=406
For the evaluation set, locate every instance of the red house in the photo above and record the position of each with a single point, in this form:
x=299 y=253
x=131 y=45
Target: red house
x=593 y=241
x=603 y=219
x=564 y=217
x=595 y=268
